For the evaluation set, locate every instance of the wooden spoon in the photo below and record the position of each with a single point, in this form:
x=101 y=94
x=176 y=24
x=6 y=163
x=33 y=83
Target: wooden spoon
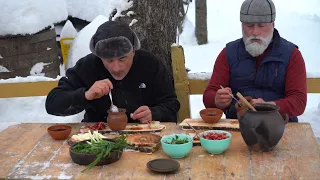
x=245 y=101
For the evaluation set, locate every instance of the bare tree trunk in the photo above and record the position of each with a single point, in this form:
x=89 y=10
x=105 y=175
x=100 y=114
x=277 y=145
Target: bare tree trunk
x=201 y=22
x=156 y=26
x=182 y=14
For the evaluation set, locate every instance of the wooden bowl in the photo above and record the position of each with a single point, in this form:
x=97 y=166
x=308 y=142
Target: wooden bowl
x=86 y=159
x=211 y=115
x=59 y=132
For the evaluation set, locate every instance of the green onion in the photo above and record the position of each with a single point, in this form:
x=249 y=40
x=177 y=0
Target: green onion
x=101 y=148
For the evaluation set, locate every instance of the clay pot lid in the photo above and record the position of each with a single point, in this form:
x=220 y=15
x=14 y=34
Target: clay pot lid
x=163 y=165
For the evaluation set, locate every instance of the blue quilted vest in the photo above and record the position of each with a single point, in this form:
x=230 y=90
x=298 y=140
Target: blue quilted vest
x=268 y=82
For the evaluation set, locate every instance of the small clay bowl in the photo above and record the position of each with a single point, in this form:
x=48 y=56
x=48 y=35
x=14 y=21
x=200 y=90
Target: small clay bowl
x=59 y=132
x=211 y=115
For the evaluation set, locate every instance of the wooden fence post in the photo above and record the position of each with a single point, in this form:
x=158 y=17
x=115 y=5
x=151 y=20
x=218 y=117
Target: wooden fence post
x=180 y=81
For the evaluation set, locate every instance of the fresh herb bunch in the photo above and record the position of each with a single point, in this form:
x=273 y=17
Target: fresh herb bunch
x=177 y=141
x=100 y=147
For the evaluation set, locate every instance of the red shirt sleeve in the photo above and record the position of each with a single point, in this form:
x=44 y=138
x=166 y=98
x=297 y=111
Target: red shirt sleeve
x=220 y=76
x=295 y=100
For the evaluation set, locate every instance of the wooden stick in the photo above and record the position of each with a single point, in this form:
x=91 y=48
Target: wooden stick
x=245 y=101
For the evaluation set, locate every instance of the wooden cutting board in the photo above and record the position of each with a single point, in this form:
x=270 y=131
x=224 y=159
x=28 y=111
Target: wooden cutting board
x=135 y=128
x=227 y=124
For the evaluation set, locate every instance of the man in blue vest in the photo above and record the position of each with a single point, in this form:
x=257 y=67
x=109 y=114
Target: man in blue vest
x=261 y=65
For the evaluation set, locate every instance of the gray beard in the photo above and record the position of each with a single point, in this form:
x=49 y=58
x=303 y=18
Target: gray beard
x=255 y=49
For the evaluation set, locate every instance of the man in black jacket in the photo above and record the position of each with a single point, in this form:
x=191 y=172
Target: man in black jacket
x=139 y=82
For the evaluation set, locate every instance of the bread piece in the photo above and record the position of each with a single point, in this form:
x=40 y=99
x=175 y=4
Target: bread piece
x=144 y=142
x=154 y=124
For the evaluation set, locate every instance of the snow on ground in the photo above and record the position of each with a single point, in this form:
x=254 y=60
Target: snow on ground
x=29 y=110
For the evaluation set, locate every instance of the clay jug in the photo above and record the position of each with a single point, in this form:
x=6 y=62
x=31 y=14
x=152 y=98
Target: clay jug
x=117 y=120
x=263 y=127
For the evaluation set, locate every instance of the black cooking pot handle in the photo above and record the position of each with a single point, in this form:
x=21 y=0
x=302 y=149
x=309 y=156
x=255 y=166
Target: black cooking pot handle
x=285 y=118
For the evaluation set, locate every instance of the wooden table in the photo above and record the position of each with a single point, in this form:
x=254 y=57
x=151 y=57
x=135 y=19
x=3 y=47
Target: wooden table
x=27 y=151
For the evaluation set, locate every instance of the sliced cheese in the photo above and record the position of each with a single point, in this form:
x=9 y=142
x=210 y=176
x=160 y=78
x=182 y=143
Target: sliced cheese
x=87 y=136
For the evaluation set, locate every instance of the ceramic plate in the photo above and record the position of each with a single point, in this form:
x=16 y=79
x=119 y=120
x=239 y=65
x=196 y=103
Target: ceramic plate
x=163 y=165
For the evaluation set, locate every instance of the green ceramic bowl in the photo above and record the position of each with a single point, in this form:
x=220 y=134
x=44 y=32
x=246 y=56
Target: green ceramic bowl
x=176 y=151
x=215 y=146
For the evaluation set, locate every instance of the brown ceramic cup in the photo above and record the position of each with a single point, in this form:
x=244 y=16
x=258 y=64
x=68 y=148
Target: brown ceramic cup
x=117 y=120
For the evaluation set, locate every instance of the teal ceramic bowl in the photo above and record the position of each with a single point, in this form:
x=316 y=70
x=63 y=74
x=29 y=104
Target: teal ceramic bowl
x=215 y=146
x=177 y=151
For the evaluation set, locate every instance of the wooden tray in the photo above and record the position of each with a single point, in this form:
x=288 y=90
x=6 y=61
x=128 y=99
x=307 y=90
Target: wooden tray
x=223 y=124
x=131 y=128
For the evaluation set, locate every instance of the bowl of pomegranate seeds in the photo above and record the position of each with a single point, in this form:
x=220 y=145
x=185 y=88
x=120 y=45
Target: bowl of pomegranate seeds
x=215 y=141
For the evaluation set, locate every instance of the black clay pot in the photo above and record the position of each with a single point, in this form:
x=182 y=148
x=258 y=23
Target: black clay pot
x=86 y=159
x=264 y=127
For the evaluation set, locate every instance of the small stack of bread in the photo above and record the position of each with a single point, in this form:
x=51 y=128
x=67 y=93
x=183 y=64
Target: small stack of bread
x=144 y=142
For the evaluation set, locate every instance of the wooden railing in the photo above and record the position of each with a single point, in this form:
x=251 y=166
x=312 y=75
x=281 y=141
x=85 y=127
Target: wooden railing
x=25 y=89
x=184 y=86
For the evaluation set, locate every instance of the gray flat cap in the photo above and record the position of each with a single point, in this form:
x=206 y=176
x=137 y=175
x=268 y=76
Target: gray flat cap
x=257 y=11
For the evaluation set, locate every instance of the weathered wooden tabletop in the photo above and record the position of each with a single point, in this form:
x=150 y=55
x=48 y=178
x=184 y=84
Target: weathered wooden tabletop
x=27 y=151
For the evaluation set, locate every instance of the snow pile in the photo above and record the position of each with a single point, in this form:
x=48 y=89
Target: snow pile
x=19 y=79
x=120 y=6
x=36 y=69
x=80 y=45
x=68 y=30
x=30 y=16
x=3 y=69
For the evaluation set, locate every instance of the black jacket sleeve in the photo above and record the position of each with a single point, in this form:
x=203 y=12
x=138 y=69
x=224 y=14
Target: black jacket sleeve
x=166 y=103
x=69 y=97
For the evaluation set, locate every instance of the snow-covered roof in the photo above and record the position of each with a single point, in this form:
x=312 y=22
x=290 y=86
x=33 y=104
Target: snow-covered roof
x=90 y=9
x=30 y=16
